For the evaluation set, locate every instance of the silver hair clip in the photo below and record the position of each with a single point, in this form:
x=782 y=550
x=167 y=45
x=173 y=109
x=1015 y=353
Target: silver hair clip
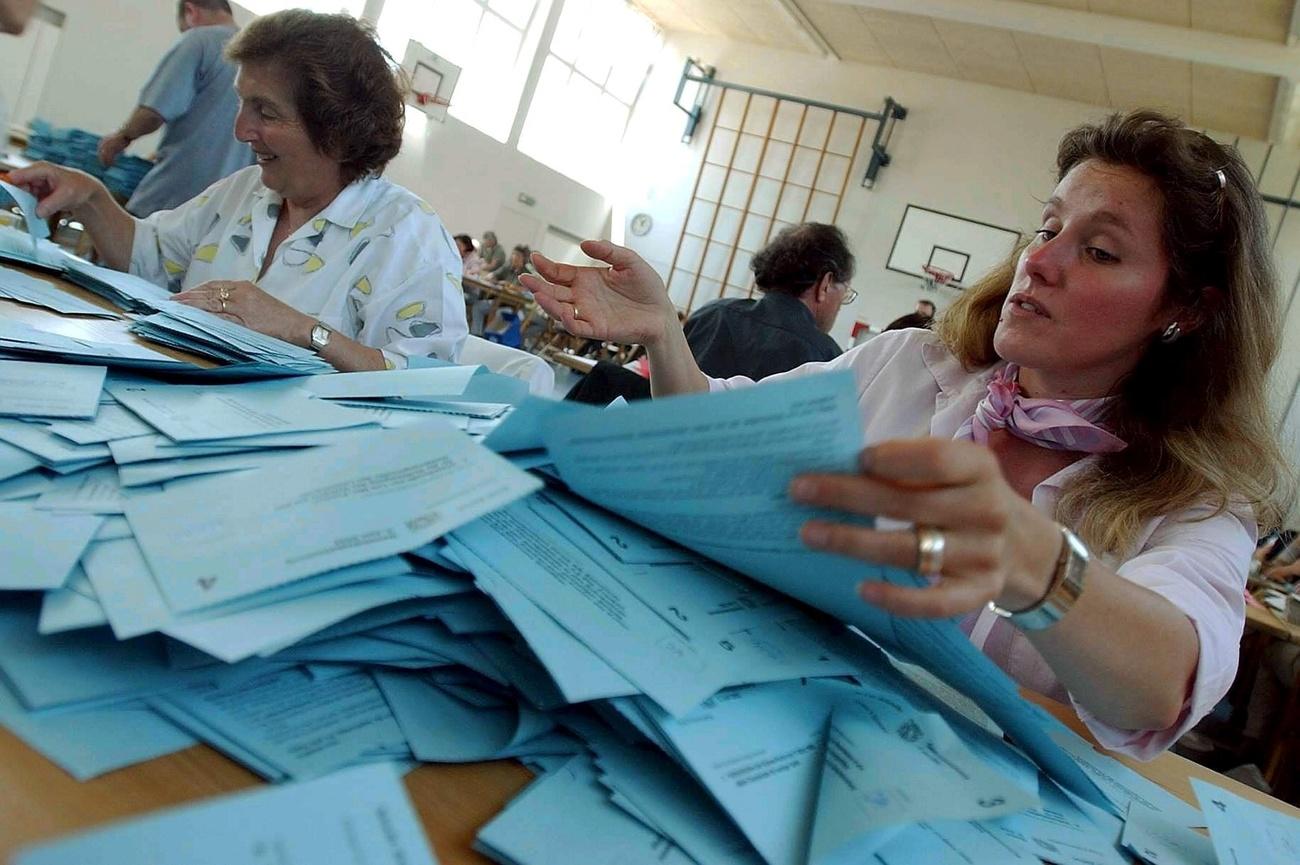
x=1223 y=178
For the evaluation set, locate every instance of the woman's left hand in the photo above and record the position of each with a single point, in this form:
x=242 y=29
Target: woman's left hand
x=997 y=546
x=244 y=303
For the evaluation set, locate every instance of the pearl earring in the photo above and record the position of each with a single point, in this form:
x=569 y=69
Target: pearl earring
x=1171 y=333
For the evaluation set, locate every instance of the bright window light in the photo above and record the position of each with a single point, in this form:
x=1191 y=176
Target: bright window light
x=599 y=58
x=492 y=41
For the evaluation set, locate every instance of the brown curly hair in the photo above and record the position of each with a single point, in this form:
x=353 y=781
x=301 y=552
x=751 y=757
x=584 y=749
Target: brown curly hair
x=1195 y=412
x=346 y=87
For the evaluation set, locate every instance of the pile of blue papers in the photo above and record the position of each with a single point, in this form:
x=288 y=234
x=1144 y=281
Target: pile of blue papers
x=311 y=579
x=79 y=149
x=200 y=332
x=241 y=353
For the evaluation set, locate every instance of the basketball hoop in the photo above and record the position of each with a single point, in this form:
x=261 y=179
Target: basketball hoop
x=935 y=276
x=422 y=99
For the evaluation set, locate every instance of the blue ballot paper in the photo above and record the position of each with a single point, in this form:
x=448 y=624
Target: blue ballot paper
x=52 y=390
x=38 y=549
x=90 y=743
x=1245 y=833
x=16 y=285
x=679 y=631
x=888 y=766
x=711 y=472
x=358 y=817
x=1160 y=841
x=222 y=538
x=37 y=227
x=566 y=816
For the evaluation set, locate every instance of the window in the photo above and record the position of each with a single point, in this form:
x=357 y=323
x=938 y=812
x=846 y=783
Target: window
x=265 y=7
x=492 y=41
x=599 y=58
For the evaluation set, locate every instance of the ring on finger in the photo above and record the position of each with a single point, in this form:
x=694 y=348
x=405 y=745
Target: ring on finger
x=576 y=316
x=930 y=543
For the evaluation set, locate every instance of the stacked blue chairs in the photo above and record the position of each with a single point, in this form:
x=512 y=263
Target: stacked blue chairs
x=77 y=148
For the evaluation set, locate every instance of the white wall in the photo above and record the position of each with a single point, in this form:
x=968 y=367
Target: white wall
x=470 y=177
x=105 y=55
x=108 y=49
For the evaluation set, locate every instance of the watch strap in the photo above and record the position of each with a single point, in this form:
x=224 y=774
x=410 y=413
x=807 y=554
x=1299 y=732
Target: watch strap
x=1062 y=593
x=320 y=337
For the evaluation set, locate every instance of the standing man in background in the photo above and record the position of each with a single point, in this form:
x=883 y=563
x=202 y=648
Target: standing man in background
x=14 y=15
x=193 y=92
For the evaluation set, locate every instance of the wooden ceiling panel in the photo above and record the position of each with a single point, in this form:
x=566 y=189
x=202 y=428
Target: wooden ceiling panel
x=1175 y=12
x=670 y=15
x=1260 y=19
x=911 y=41
x=1208 y=96
x=1230 y=99
x=985 y=54
x=846 y=32
x=1064 y=69
x=769 y=22
x=1080 y=5
x=1142 y=81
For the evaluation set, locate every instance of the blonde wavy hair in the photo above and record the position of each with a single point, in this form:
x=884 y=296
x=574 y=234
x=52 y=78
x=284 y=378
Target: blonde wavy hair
x=1194 y=412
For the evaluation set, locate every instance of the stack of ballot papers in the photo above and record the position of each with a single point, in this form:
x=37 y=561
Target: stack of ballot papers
x=318 y=581
x=123 y=290
x=200 y=332
x=18 y=286
x=242 y=353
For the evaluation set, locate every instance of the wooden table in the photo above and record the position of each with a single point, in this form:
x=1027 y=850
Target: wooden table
x=115 y=331
x=39 y=801
x=1264 y=620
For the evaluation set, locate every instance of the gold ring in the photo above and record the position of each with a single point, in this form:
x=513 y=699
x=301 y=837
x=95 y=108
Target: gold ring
x=930 y=543
x=223 y=304
x=224 y=293
x=576 y=317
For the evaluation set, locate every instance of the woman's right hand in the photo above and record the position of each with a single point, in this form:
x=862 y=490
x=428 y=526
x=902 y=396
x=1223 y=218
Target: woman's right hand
x=625 y=302
x=57 y=189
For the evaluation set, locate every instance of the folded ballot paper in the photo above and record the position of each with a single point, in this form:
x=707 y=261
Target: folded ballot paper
x=359 y=816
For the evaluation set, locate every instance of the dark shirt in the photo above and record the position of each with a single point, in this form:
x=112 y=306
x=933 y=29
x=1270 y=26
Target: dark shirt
x=754 y=338
x=757 y=338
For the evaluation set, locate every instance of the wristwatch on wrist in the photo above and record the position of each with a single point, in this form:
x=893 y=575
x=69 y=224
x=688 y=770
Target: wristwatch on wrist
x=320 y=337
x=1062 y=592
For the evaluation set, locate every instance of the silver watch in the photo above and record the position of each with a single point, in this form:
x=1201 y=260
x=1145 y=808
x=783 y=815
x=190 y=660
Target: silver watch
x=1061 y=595
x=320 y=337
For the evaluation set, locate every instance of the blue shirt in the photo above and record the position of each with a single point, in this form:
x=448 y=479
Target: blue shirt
x=193 y=89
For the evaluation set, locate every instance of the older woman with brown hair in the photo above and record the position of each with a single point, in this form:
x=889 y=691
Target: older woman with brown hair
x=309 y=245
x=1100 y=451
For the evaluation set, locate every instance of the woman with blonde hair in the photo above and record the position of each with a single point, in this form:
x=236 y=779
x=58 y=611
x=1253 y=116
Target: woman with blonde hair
x=1100 y=452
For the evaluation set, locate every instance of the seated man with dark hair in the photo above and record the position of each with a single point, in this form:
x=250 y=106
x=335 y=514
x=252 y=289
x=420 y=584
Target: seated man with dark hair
x=804 y=277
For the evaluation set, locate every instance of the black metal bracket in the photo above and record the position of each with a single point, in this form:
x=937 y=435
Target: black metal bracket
x=703 y=75
x=706 y=77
